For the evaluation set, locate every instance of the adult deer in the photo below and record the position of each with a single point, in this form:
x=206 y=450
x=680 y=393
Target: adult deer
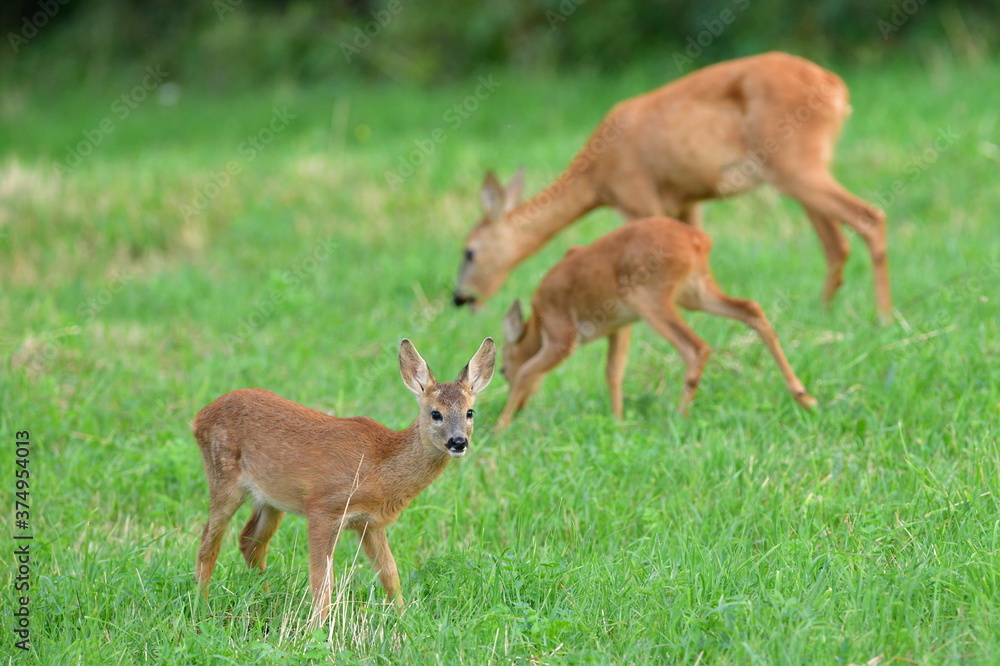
x=722 y=130
x=338 y=472
x=643 y=270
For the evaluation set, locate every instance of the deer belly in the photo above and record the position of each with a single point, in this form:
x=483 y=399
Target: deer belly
x=603 y=318
x=738 y=176
x=285 y=499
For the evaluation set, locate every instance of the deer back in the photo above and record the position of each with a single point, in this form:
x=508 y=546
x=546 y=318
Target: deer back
x=595 y=283
x=286 y=454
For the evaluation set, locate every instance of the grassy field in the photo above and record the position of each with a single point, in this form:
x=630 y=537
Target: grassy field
x=198 y=243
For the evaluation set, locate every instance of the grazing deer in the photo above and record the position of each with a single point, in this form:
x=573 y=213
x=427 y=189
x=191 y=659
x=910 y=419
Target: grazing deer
x=337 y=472
x=643 y=270
x=720 y=131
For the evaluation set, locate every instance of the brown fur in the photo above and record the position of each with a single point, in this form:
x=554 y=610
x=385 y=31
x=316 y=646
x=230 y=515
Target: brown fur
x=337 y=472
x=722 y=130
x=643 y=270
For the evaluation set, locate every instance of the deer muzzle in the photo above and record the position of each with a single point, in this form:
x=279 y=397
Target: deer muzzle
x=457 y=446
x=461 y=299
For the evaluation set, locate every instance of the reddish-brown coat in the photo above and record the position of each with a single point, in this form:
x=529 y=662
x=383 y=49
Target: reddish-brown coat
x=338 y=472
x=725 y=129
x=644 y=270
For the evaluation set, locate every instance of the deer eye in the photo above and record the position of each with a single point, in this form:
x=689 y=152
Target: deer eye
x=469 y=254
x=436 y=415
x=469 y=414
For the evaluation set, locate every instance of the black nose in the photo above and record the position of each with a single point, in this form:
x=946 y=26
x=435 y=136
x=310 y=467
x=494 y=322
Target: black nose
x=462 y=299
x=458 y=443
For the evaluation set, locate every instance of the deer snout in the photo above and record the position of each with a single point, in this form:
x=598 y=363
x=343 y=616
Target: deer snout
x=457 y=446
x=461 y=299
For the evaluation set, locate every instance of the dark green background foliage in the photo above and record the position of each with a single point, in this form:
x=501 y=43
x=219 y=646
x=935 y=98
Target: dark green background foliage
x=232 y=223
x=226 y=43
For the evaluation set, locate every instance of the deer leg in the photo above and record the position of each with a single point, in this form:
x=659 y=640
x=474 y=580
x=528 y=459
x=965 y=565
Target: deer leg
x=223 y=503
x=835 y=247
x=635 y=198
x=691 y=215
x=661 y=314
x=323 y=531
x=618 y=343
x=257 y=534
x=711 y=299
x=825 y=196
x=376 y=544
x=553 y=351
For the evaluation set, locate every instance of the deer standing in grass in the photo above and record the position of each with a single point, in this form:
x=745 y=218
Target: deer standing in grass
x=722 y=130
x=643 y=270
x=338 y=472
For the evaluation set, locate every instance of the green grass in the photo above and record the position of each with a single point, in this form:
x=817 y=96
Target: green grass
x=749 y=533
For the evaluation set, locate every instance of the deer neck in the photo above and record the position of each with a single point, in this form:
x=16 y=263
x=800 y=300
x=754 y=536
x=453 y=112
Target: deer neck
x=550 y=211
x=532 y=338
x=414 y=465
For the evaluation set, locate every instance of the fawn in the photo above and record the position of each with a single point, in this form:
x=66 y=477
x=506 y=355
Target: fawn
x=642 y=270
x=337 y=472
x=719 y=131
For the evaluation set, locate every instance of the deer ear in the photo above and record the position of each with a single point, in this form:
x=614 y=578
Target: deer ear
x=512 y=193
x=479 y=371
x=513 y=323
x=492 y=197
x=416 y=375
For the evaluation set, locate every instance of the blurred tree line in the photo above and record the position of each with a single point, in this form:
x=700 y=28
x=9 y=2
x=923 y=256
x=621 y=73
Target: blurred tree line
x=230 y=43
